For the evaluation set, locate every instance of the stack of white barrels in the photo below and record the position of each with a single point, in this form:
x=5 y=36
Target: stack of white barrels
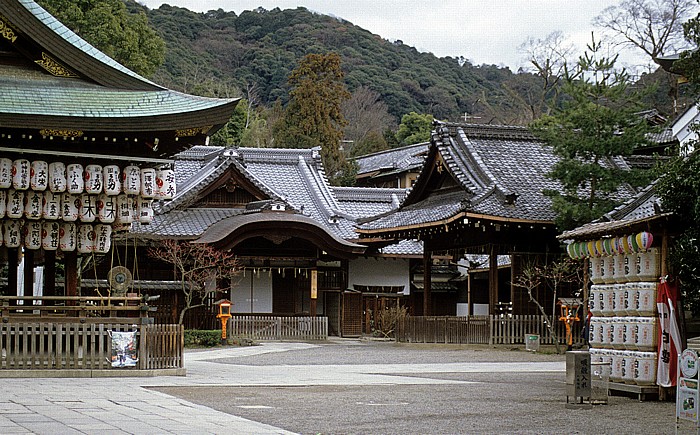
x=622 y=301
x=58 y=206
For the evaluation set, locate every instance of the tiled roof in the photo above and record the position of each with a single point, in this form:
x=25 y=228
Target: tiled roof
x=395 y=159
x=411 y=248
x=183 y=224
x=365 y=202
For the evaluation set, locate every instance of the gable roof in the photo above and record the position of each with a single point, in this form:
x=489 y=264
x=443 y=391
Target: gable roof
x=395 y=160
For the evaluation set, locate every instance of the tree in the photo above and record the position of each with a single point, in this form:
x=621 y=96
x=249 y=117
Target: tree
x=368 y=117
x=107 y=25
x=653 y=26
x=313 y=117
x=598 y=121
x=689 y=62
x=414 y=128
x=198 y=267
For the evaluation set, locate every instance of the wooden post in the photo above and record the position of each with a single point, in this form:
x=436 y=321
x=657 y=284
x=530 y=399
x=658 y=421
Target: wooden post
x=49 y=273
x=12 y=259
x=513 y=272
x=493 y=279
x=70 y=259
x=28 y=273
x=427 y=269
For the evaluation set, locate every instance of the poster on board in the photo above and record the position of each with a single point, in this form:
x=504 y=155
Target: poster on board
x=124 y=349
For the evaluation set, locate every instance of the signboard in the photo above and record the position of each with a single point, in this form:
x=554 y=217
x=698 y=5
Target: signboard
x=314 y=284
x=687 y=392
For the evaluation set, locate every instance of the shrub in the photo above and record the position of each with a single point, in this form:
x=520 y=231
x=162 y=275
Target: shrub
x=205 y=338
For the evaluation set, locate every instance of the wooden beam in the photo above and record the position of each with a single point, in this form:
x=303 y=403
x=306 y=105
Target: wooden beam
x=12 y=260
x=427 y=269
x=70 y=259
x=493 y=279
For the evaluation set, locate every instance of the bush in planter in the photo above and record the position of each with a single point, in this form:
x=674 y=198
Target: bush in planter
x=205 y=338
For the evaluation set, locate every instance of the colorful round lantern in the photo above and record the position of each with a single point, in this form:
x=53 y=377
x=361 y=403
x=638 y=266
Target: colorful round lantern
x=58 y=182
x=68 y=237
x=608 y=248
x=15 y=204
x=51 y=205
x=39 y=175
x=5 y=173
x=619 y=243
x=75 y=178
x=632 y=244
x=112 y=183
x=20 y=174
x=50 y=236
x=103 y=238
x=570 y=250
x=644 y=240
x=93 y=179
x=33 y=203
x=148 y=182
x=165 y=184
x=131 y=180
x=599 y=248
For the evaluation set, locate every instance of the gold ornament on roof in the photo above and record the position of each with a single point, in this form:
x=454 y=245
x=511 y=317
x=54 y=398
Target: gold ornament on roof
x=60 y=133
x=194 y=131
x=6 y=29
x=53 y=67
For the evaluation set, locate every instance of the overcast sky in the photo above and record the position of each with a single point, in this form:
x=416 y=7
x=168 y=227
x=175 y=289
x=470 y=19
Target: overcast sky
x=483 y=31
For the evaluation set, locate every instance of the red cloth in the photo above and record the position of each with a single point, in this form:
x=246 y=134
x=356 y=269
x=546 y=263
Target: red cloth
x=669 y=334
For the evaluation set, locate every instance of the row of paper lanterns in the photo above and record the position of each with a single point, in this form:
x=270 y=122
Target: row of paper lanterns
x=53 y=235
x=33 y=205
x=629 y=244
x=57 y=177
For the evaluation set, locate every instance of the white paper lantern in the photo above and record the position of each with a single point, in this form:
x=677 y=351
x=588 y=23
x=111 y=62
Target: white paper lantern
x=20 y=174
x=15 y=204
x=106 y=208
x=58 y=182
x=112 y=182
x=124 y=212
x=39 y=175
x=3 y=203
x=93 y=179
x=148 y=182
x=12 y=233
x=32 y=235
x=86 y=239
x=165 y=184
x=50 y=235
x=32 y=208
x=103 y=238
x=145 y=210
x=70 y=205
x=51 y=205
x=5 y=173
x=76 y=183
x=68 y=237
x=131 y=180
x=88 y=208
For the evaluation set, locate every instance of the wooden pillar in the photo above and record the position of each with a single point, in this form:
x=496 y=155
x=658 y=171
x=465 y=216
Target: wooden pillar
x=12 y=259
x=513 y=277
x=427 y=270
x=49 y=273
x=493 y=279
x=314 y=292
x=28 y=289
x=70 y=259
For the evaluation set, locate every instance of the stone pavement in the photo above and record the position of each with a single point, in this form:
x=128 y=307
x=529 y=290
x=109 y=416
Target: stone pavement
x=127 y=406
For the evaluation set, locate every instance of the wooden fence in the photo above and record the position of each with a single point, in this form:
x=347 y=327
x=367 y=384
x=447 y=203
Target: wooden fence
x=480 y=330
x=279 y=328
x=86 y=345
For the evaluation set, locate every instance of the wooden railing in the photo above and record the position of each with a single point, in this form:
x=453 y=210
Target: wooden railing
x=480 y=330
x=86 y=344
x=279 y=328
x=73 y=306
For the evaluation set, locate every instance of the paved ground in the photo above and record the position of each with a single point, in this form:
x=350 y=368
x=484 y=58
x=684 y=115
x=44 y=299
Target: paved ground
x=343 y=386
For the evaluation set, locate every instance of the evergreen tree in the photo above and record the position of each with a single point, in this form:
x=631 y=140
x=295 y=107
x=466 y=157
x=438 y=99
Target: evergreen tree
x=313 y=117
x=599 y=120
x=414 y=128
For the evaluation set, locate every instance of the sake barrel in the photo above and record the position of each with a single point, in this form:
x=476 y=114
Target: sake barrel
x=33 y=204
x=50 y=235
x=606 y=332
x=628 y=367
x=106 y=208
x=39 y=175
x=70 y=205
x=20 y=174
x=645 y=368
x=12 y=233
x=608 y=304
x=595 y=335
x=619 y=266
x=619 y=291
x=15 y=204
x=596 y=270
x=68 y=237
x=3 y=203
x=32 y=235
x=606 y=362
x=632 y=298
x=86 y=239
x=131 y=180
x=608 y=270
x=594 y=298
x=58 y=182
x=112 y=182
x=51 y=205
x=103 y=238
x=646 y=335
x=165 y=184
x=74 y=174
x=616 y=368
x=145 y=210
x=617 y=329
x=124 y=214
x=646 y=304
x=148 y=182
x=630 y=267
x=5 y=173
x=648 y=264
x=93 y=179
x=87 y=212
x=631 y=333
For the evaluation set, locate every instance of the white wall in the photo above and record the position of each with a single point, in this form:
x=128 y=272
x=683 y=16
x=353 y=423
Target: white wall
x=379 y=271
x=261 y=294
